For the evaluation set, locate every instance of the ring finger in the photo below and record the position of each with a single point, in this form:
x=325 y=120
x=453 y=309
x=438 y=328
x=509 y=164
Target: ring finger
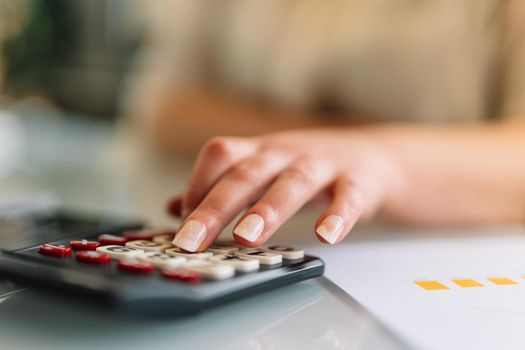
x=292 y=189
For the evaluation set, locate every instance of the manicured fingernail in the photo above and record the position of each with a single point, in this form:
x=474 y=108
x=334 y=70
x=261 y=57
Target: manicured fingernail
x=190 y=236
x=250 y=228
x=331 y=228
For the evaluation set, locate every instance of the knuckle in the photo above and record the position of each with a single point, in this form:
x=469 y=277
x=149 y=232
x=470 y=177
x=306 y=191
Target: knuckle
x=219 y=146
x=243 y=172
x=303 y=174
x=346 y=182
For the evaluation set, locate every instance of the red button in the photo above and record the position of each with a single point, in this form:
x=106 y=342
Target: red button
x=135 y=265
x=55 y=250
x=146 y=234
x=93 y=257
x=84 y=245
x=112 y=240
x=181 y=274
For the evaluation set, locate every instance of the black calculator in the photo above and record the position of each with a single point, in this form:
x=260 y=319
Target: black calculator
x=130 y=269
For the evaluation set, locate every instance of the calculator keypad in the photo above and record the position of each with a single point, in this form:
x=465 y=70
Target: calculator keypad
x=120 y=252
x=181 y=274
x=222 y=249
x=210 y=270
x=286 y=252
x=265 y=257
x=164 y=238
x=141 y=252
x=162 y=260
x=58 y=250
x=187 y=255
x=93 y=257
x=239 y=263
x=148 y=246
x=112 y=240
x=136 y=265
x=84 y=244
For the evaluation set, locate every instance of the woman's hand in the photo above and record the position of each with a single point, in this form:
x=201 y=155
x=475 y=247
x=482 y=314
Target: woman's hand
x=275 y=175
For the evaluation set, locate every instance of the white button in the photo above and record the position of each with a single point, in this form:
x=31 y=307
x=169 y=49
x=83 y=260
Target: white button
x=165 y=239
x=222 y=248
x=119 y=252
x=211 y=270
x=187 y=255
x=149 y=246
x=239 y=263
x=286 y=252
x=161 y=260
x=265 y=257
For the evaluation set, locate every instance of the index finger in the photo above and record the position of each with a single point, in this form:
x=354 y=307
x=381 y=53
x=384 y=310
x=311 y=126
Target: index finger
x=216 y=157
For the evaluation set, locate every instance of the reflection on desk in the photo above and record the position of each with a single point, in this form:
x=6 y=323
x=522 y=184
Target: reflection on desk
x=310 y=315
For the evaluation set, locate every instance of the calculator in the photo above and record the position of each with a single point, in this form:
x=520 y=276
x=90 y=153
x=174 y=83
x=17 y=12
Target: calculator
x=127 y=268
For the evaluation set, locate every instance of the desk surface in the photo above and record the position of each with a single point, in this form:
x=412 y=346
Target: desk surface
x=91 y=167
x=310 y=315
x=87 y=166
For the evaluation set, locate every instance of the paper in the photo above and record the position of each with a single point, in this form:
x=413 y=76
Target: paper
x=439 y=290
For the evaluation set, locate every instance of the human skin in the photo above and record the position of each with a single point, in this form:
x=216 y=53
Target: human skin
x=419 y=175
x=407 y=173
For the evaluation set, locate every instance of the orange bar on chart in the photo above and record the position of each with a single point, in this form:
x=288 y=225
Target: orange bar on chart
x=431 y=285
x=502 y=281
x=468 y=283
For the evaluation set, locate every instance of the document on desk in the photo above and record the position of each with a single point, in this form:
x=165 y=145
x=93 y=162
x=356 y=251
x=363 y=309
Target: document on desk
x=464 y=291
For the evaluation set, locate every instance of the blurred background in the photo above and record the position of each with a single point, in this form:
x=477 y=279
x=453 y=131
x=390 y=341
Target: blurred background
x=104 y=103
x=72 y=55
x=62 y=69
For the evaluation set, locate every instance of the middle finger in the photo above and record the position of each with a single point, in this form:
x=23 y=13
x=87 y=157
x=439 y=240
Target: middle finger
x=233 y=192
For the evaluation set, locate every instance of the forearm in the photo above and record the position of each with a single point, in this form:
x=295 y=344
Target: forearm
x=456 y=174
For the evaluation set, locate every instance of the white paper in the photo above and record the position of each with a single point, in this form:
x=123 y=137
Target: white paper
x=380 y=274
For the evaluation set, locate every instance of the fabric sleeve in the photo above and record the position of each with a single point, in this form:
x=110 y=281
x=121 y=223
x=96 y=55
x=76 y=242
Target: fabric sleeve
x=513 y=83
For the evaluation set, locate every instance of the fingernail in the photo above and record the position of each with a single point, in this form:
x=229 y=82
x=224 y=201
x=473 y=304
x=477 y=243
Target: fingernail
x=250 y=228
x=190 y=236
x=331 y=228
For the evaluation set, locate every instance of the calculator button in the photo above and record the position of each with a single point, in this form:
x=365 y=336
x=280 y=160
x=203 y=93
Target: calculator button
x=148 y=246
x=187 y=255
x=93 y=257
x=119 y=252
x=181 y=274
x=162 y=260
x=136 y=265
x=146 y=234
x=165 y=238
x=112 y=240
x=211 y=270
x=239 y=263
x=58 y=250
x=222 y=249
x=264 y=257
x=286 y=252
x=84 y=244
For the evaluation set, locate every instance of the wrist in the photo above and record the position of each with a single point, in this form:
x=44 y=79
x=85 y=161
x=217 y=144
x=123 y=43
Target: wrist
x=392 y=176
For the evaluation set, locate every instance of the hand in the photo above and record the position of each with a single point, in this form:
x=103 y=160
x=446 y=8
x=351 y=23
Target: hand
x=280 y=173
